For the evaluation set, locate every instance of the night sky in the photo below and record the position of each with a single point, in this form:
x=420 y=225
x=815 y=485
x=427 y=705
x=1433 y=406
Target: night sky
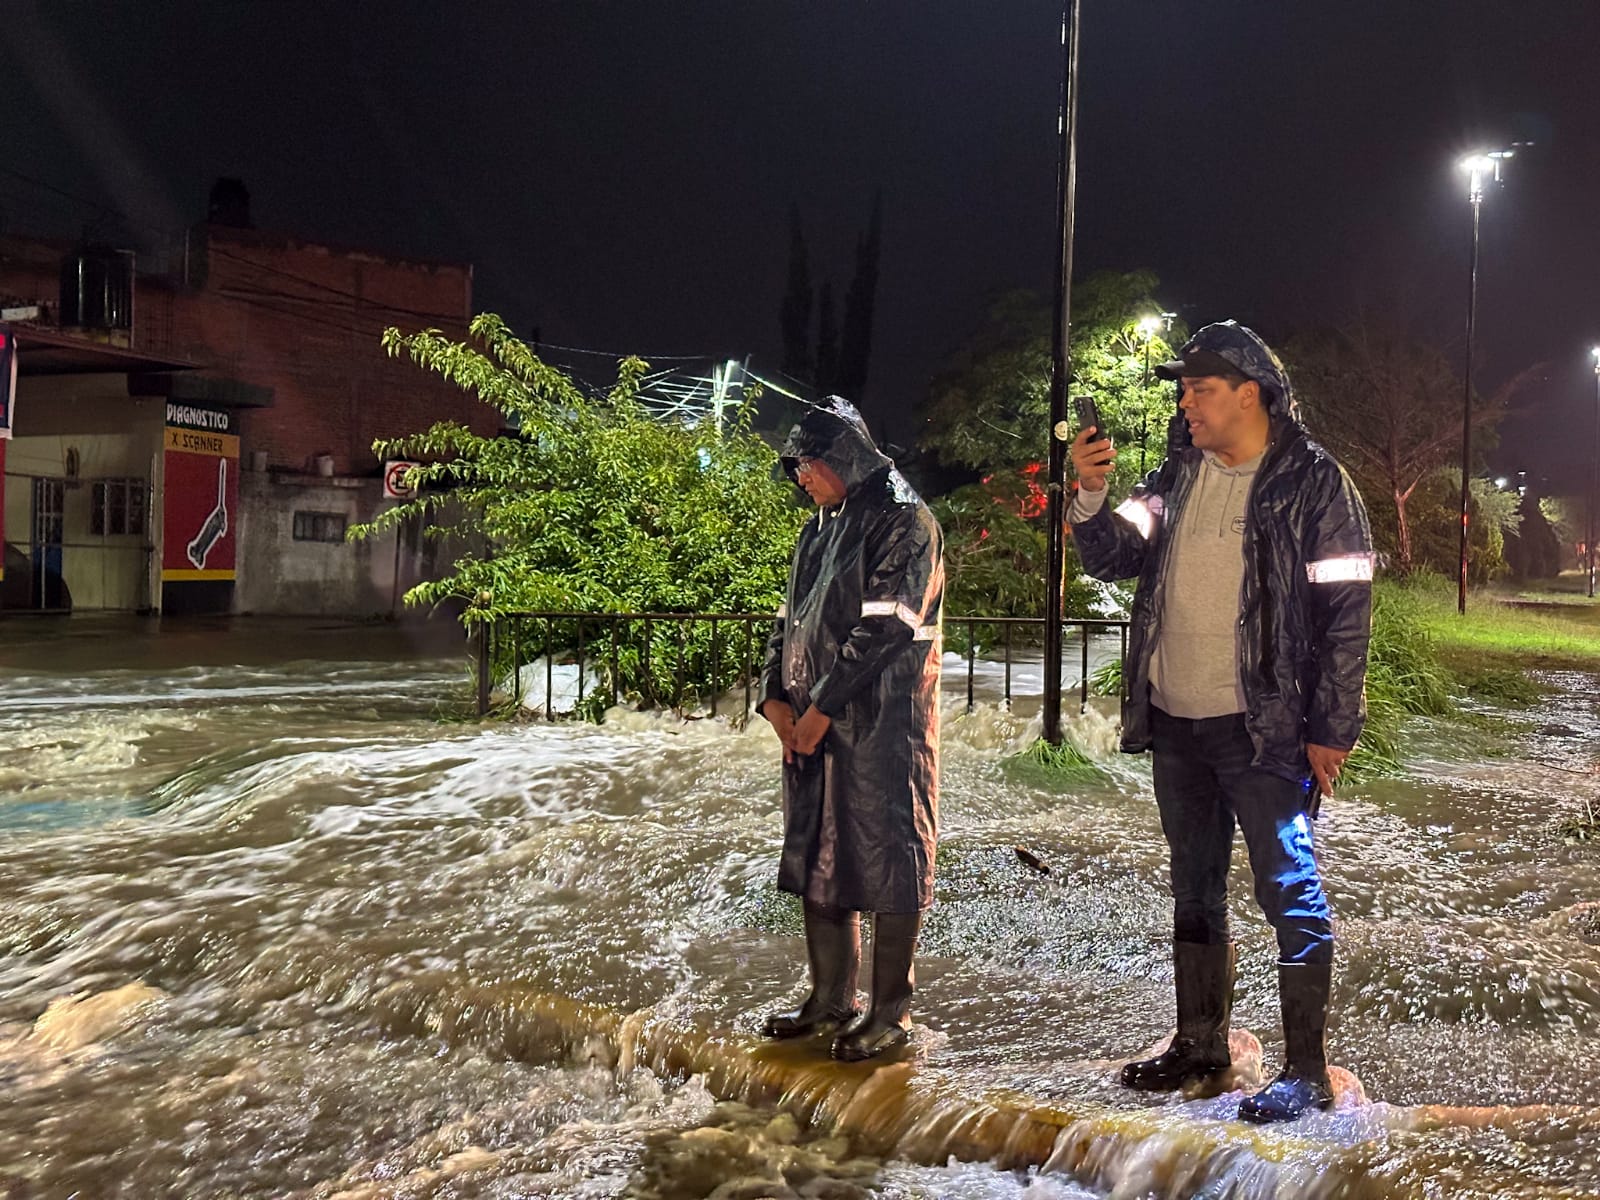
x=620 y=174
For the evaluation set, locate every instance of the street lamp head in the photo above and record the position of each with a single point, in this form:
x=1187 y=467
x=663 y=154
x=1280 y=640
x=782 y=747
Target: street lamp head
x=1596 y=353
x=1149 y=326
x=1483 y=164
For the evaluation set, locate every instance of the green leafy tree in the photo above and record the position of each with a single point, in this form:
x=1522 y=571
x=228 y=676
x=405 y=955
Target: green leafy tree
x=989 y=411
x=594 y=505
x=1436 y=526
x=990 y=408
x=855 y=334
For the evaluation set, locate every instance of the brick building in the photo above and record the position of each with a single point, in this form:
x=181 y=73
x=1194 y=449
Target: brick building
x=243 y=386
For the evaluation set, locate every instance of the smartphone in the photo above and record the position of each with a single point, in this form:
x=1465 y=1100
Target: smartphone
x=1089 y=414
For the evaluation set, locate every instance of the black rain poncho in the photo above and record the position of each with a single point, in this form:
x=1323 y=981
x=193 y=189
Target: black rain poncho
x=859 y=638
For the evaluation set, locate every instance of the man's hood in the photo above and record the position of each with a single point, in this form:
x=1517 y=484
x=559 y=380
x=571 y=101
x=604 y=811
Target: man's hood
x=1244 y=348
x=834 y=432
x=1254 y=359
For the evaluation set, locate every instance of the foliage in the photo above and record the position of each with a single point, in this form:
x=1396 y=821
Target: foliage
x=996 y=553
x=855 y=334
x=594 y=505
x=1533 y=551
x=1063 y=762
x=1436 y=526
x=1389 y=407
x=1106 y=679
x=989 y=410
x=1512 y=637
x=1404 y=678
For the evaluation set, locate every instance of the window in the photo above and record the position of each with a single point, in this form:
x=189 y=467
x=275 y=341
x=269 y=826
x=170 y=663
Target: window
x=319 y=526
x=117 y=507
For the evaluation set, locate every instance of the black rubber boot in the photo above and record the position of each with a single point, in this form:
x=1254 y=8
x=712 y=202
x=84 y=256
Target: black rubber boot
x=1303 y=989
x=1203 y=977
x=887 y=1022
x=833 y=947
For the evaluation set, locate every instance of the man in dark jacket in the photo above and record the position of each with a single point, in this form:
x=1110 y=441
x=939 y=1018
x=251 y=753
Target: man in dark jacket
x=852 y=688
x=1246 y=669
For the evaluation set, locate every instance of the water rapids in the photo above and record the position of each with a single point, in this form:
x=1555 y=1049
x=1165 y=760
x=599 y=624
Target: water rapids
x=279 y=928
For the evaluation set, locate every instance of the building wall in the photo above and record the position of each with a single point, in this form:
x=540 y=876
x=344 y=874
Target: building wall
x=286 y=575
x=307 y=321
x=110 y=436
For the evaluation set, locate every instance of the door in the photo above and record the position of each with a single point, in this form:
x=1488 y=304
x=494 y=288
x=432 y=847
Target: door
x=49 y=498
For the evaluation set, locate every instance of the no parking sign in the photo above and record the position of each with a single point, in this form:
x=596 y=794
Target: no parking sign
x=395 y=485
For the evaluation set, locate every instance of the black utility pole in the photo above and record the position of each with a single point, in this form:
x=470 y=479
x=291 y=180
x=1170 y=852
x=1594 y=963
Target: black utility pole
x=1059 y=433
x=1466 y=400
x=1594 y=474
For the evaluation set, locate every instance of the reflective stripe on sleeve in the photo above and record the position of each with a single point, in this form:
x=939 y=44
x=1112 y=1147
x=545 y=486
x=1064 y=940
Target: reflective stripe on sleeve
x=891 y=608
x=1138 y=514
x=1347 y=568
x=925 y=633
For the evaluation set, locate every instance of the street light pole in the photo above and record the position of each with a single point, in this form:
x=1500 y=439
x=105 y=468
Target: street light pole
x=1148 y=327
x=1477 y=166
x=1594 y=473
x=1060 y=433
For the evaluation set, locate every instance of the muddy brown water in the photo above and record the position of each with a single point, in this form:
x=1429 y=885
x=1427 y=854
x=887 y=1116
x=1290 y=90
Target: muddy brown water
x=269 y=918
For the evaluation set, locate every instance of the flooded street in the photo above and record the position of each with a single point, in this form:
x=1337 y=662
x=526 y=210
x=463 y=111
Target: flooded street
x=271 y=916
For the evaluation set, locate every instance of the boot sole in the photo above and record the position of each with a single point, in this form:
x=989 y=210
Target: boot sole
x=1151 y=1085
x=826 y=1025
x=852 y=1053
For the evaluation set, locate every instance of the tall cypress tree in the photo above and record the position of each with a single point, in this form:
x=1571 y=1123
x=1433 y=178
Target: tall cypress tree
x=827 y=380
x=855 y=341
x=795 y=315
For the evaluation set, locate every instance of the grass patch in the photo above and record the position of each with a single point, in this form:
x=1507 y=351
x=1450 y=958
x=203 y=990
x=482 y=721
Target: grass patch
x=1495 y=633
x=1584 y=828
x=1063 y=762
x=1494 y=685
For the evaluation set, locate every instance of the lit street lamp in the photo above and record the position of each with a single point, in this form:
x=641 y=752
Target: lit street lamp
x=1478 y=168
x=1594 y=473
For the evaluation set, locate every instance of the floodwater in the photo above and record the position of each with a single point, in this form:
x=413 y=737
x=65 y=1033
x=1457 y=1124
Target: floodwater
x=275 y=921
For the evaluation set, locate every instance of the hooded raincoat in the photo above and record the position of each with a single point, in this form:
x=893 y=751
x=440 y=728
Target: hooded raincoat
x=859 y=638
x=1305 y=606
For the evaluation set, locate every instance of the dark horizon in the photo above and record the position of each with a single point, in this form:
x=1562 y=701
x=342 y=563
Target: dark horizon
x=620 y=175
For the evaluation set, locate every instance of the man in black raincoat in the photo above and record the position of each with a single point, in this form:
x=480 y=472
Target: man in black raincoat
x=1246 y=666
x=851 y=687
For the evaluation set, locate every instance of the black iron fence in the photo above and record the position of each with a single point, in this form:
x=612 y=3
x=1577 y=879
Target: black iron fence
x=580 y=663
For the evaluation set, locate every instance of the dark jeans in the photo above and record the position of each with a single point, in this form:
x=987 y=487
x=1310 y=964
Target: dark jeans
x=1204 y=784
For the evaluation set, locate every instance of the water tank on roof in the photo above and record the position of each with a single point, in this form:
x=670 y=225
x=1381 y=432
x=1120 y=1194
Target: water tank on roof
x=97 y=289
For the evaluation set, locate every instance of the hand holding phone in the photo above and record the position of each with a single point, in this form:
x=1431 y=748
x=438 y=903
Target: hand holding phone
x=1092 y=455
x=1089 y=417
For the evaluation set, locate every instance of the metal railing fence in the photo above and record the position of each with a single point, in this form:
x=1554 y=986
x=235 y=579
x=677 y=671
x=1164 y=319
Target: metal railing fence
x=694 y=663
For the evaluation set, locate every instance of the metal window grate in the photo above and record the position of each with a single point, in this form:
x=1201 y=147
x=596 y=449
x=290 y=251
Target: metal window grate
x=312 y=526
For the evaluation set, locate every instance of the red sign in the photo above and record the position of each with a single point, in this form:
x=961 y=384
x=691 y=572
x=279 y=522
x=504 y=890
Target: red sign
x=200 y=501
x=395 y=486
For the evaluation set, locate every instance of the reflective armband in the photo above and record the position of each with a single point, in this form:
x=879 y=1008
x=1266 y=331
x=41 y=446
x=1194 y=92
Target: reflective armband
x=1141 y=512
x=1347 y=568
x=892 y=608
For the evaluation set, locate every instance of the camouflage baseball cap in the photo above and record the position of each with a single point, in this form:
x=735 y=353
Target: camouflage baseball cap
x=1228 y=348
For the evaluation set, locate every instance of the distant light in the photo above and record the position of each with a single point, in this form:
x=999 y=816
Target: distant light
x=1596 y=353
x=1149 y=325
x=1484 y=163
x=1501 y=482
